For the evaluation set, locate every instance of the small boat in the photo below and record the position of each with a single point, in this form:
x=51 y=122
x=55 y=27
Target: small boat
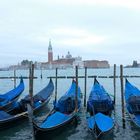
x=132 y=98
x=99 y=108
x=20 y=111
x=63 y=114
x=8 y=100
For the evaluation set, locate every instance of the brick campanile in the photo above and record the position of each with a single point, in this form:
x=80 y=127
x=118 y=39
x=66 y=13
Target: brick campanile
x=50 y=53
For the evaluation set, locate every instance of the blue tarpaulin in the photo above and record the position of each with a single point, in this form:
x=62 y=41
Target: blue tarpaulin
x=130 y=90
x=99 y=99
x=103 y=122
x=54 y=120
x=12 y=94
x=132 y=97
x=67 y=102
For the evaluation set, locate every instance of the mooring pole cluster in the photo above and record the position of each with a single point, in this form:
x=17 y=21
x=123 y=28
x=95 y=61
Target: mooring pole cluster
x=31 y=77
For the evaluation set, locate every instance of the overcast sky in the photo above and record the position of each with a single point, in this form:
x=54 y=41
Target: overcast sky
x=94 y=29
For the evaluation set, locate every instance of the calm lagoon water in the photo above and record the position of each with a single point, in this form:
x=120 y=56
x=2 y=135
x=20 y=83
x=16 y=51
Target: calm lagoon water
x=22 y=131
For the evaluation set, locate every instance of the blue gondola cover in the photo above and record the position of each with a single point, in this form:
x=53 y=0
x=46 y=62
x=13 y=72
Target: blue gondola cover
x=132 y=97
x=67 y=102
x=9 y=96
x=99 y=99
x=104 y=122
x=54 y=120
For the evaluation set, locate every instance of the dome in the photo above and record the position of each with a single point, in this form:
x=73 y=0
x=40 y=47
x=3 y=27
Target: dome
x=68 y=55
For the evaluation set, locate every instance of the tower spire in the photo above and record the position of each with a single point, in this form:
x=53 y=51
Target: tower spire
x=50 y=46
x=50 y=52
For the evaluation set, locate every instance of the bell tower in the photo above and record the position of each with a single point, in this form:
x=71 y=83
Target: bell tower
x=50 y=53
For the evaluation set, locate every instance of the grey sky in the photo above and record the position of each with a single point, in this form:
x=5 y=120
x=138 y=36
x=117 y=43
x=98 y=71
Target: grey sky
x=99 y=29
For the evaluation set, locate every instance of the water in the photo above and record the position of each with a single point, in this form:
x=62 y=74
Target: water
x=22 y=131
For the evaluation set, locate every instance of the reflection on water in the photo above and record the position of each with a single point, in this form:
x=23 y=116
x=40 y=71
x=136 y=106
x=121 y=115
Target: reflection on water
x=22 y=131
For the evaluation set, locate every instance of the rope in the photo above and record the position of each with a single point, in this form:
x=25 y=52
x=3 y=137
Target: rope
x=111 y=95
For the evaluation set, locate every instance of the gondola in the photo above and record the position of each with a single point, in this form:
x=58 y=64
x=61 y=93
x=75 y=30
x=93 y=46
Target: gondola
x=20 y=111
x=99 y=109
x=132 y=99
x=63 y=114
x=9 y=99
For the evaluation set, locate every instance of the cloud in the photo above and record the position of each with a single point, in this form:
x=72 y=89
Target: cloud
x=69 y=36
x=131 y=4
x=96 y=28
x=82 y=41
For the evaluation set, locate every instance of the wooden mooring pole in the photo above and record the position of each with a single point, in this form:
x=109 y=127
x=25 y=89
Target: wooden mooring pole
x=56 y=74
x=41 y=73
x=122 y=95
x=14 y=78
x=85 y=87
x=30 y=105
x=76 y=97
x=114 y=83
x=31 y=76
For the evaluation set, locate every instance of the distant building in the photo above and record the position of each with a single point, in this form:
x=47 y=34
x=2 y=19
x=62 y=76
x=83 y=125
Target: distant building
x=78 y=62
x=64 y=62
x=135 y=64
x=70 y=62
x=68 y=56
x=96 y=64
x=67 y=61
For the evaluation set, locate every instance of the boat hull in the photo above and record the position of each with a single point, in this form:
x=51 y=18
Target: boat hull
x=11 y=105
x=99 y=108
x=15 y=119
x=64 y=113
x=100 y=124
x=97 y=134
x=44 y=134
x=132 y=96
x=11 y=97
x=135 y=119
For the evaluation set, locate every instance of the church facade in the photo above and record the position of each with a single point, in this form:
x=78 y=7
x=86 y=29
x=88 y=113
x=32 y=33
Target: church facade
x=70 y=62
